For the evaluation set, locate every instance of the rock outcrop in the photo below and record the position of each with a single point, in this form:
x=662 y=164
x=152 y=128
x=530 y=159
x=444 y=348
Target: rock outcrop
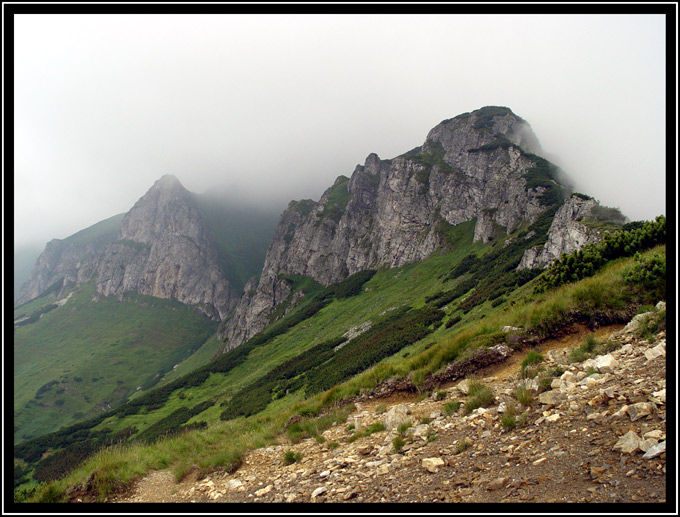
x=71 y=261
x=162 y=247
x=565 y=235
x=476 y=166
x=165 y=249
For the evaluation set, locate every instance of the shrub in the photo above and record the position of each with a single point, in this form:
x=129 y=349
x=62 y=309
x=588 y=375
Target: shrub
x=624 y=243
x=290 y=457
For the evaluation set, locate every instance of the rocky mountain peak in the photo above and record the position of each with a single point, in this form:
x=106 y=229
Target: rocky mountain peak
x=485 y=127
x=477 y=166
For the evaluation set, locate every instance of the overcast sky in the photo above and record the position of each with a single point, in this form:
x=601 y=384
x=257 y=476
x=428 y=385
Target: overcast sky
x=279 y=105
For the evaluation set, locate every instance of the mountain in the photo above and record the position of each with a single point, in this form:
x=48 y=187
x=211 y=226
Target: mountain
x=24 y=260
x=169 y=245
x=479 y=167
x=400 y=276
x=111 y=309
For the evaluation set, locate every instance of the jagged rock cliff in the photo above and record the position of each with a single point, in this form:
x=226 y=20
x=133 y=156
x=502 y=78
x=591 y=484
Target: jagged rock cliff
x=392 y=212
x=71 y=261
x=163 y=248
x=565 y=235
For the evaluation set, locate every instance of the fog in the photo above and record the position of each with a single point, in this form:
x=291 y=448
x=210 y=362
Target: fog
x=275 y=107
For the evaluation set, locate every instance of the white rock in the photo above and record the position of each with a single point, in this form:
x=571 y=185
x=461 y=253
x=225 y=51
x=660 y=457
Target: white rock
x=509 y=328
x=463 y=386
x=655 y=451
x=265 y=490
x=551 y=398
x=640 y=410
x=396 y=416
x=656 y=434
x=432 y=464
x=606 y=363
x=647 y=444
x=318 y=491
x=658 y=351
x=234 y=484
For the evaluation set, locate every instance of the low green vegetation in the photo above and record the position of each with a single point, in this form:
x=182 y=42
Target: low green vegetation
x=290 y=457
x=91 y=355
x=624 y=243
x=338 y=198
x=451 y=408
x=479 y=395
x=462 y=446
x=523 y=395
x=398 y=302
x=584 y=351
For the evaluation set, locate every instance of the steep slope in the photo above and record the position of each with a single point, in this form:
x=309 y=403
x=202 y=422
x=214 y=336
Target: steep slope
x=476 y=166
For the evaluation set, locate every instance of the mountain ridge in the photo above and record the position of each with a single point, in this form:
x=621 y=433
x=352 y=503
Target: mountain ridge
x=397 y=211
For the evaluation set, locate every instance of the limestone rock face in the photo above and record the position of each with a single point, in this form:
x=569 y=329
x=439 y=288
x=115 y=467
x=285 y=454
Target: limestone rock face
x=70 y=261
x=163 y=248
x=394 y=212
x=566 y=234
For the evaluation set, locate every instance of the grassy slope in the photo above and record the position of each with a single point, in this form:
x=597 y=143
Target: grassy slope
x=223 y=442
x=111 y=346
x=383 y=292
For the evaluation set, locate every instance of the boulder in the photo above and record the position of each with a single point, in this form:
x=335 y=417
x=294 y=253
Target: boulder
x=396 y=416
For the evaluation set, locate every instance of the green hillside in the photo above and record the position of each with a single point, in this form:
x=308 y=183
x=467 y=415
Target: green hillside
x=75 y=360
x=421 y=317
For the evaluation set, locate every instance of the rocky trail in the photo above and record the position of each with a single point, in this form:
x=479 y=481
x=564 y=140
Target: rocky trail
x=597 y=434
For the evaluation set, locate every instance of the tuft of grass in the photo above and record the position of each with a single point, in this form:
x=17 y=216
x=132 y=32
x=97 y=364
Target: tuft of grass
x=508 y=422
x=523 y=395
x=583 y=352
x=480 y=396
x=398 y=443
x=531 y=358
x=462 y=445
x=403 y=427
x=290 y=457
x=440 y=395
x=380 y=409
x=333 y=445
x=374 y=428
x=425 y=420
x=451 y=407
